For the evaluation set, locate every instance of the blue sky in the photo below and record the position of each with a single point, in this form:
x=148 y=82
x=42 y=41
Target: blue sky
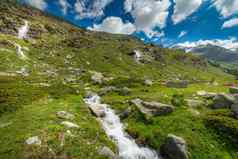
x=159 y=21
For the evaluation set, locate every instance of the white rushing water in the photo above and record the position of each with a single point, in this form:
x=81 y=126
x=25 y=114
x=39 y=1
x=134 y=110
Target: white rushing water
x=20 y=53
x=138 y=55
x=128 y=149
x=23 y=30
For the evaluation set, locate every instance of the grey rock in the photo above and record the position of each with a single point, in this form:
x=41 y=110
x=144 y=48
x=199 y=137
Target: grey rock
x=65 y=115
x=194 y=103
x=177 y=84
x=107 y=152
x=35 y=140
x=107 y=90
x=68 y=124
x=98 y=110
x=148 y=82
x=124 y=91
x=174 y=148
x=221 y=101
x=97 y=78
x=152 y=108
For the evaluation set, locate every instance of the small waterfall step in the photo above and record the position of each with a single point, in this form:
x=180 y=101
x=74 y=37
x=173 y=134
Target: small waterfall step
x=128 y=149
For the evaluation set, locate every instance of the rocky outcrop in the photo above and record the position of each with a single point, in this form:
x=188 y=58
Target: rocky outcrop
x=221 y=101
x=152 y=108
x=177 y=84
x=174 y=148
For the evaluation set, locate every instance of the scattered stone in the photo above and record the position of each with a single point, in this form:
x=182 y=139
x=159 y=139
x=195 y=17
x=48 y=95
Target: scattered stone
x=174 y=148
x=69 y=124
x=194 y=103
x=33 y=141
x=98 y=110
x=177 y=84
x=107 y=152
x=208 y=95
x=153 y=108
x=233 y=90
x=65 y=115
x=97 y=78
x=234 y=109
x=221 y=101
x=107 y=90
x=148 y=82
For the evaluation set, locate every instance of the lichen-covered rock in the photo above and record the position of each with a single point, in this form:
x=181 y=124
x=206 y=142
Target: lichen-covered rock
x=174 y=148
x=98 y=110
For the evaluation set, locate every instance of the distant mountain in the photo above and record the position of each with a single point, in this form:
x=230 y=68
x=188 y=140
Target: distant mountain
x=213 y=52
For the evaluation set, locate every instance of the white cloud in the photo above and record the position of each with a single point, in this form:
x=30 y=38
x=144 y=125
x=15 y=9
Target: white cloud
x=230 y=23
x=231 y=44
x=90 y=9
x=148 y=14
x=40 y=4
x=64 y=5
x=184 y=8
x=182 y=33
x=114 y=25
x=226 y=7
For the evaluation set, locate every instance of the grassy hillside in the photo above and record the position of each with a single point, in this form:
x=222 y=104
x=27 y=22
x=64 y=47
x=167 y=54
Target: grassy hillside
x=57 y=73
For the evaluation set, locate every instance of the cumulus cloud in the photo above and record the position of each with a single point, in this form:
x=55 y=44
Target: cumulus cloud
x=184 y=8
x=64 y=5
x=114 y=25
x=230 y=23
x=40 y=4
x=90 y=8
x=182 y=33
x=231 y=44
x=148 y=14
x=226 y=7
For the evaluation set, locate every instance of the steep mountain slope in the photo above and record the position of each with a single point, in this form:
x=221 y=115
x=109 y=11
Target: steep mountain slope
x=216 y=53
x=50 y=68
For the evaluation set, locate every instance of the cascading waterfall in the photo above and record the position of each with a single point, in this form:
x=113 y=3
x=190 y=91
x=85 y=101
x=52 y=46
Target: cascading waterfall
x=20 y=53
x=128 y=149
x=22 y=31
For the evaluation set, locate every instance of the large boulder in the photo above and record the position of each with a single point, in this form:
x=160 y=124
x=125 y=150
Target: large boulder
x=233 y=90
x=174 y=148
x=177 y=84
x=234 y=109
x=221 y=101
x=70 y=125
x=152 y=108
